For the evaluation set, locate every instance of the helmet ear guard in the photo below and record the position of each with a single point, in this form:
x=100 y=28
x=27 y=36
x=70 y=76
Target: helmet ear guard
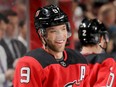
x=68 y=29
x=104 y=32
x=42 y=32
x=105 y=36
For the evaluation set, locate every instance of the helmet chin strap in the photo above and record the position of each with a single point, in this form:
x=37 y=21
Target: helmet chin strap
x=104 y=49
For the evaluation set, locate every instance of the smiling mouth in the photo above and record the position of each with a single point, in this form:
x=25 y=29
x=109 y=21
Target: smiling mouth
x=60 y=41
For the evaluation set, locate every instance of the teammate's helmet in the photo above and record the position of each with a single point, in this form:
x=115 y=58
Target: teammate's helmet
x=50 y=16
x=90 y=32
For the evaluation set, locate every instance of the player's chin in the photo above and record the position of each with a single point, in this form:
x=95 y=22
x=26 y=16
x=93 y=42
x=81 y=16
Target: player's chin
x=61 y=48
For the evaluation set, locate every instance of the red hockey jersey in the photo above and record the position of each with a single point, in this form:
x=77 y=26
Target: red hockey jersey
x=102 y=68
x=40 y=69
x=114 y=55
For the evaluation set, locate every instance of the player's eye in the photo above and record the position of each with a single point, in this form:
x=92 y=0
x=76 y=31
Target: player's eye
x=52 y=31
x=63 y=29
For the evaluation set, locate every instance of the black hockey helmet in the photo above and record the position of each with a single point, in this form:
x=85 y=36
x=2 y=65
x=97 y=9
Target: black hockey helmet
x=49 y=16
x=90 y=32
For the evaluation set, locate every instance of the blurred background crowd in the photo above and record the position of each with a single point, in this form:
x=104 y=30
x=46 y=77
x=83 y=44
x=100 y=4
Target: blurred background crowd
x=13 y=37
x=18 y=36
x=104 y=10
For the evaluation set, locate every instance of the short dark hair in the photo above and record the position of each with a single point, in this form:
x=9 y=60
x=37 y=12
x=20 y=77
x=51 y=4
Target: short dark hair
x=4 y=18
x=9 y=13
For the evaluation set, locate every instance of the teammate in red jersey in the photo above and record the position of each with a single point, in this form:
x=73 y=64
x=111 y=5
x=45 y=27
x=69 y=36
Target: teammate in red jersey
x=94 y=37
x=52 y=65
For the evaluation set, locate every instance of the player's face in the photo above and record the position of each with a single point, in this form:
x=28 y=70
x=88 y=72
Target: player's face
x=56 y=37
x=3 y=27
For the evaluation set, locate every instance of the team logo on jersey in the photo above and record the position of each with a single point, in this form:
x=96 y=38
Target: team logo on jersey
x=75 y=83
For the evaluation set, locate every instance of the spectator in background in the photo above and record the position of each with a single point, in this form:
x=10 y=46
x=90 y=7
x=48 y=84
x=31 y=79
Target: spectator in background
x=14 y=20
x=12 y=51
x=13 y=47
x=20 y=8
x=23 y=33
x=87 y=9
x=107 y=14
x=5 y=73
x=77 y=16
x=96 y=5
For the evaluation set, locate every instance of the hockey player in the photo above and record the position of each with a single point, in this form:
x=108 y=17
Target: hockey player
x=52 y=65
x=94 y=37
